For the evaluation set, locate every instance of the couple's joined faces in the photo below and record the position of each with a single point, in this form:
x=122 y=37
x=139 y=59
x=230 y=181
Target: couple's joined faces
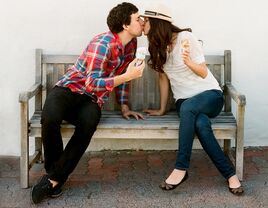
x=146 y=27
x=135 y=27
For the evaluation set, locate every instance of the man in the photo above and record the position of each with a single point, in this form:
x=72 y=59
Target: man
x=106 y=64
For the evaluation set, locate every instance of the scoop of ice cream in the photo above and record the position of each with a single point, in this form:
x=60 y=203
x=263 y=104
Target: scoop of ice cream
x=185 y=44
x=141 y=53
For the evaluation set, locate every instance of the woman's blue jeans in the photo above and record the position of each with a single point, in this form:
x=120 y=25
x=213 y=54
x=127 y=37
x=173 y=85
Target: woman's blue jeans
x=195 y=114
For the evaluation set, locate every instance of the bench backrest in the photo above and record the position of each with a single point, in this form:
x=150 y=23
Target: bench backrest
x=144 y=92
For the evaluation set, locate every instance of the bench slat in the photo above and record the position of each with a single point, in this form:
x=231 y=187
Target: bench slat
x=114 y=120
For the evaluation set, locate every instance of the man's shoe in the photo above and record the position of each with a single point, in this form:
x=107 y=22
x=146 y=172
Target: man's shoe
x=41 y=190
x=56 y=191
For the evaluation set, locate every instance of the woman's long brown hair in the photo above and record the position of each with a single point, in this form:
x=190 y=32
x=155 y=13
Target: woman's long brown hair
x=160 y=37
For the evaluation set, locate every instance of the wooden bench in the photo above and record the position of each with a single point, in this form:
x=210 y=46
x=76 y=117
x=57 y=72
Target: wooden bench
x=144 y=94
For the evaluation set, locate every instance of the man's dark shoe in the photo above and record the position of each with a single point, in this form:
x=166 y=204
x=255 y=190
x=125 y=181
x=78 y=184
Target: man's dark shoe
x=56 y=191
x=41 y=190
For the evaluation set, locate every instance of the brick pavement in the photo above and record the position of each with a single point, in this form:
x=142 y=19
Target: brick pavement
x=131 y=178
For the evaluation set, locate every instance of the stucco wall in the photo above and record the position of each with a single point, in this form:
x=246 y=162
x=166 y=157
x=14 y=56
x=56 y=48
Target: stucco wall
x=67 y=26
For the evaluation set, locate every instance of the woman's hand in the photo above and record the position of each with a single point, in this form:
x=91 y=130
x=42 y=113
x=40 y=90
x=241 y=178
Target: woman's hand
x=152 y=112
x=186 y=57
x=198 y=69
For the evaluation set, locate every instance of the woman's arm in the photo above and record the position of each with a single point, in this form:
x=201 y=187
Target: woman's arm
x=164 y=91
x=198 y=69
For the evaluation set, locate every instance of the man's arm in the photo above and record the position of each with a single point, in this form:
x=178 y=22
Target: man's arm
x=130 y=74
x=96 y=79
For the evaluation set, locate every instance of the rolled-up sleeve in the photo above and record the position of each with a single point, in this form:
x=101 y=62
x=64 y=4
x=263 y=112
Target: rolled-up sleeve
x=121 y=93
x=196 y=52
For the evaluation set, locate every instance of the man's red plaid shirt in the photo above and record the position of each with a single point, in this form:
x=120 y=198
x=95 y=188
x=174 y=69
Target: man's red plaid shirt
x=94 y=71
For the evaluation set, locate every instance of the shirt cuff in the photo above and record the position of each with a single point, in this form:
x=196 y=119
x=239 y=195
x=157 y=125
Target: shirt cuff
x=123 y=102
x=109 y=84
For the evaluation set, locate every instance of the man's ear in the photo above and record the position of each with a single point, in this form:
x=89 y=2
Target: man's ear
x=125 y=27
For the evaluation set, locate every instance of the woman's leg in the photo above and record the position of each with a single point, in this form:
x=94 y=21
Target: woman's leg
x=211 y=146
x=209 y=102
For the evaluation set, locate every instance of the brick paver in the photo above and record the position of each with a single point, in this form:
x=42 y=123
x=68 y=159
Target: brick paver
x=131 y=179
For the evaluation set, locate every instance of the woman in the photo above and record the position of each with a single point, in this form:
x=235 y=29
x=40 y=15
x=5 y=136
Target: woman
x=177 y=55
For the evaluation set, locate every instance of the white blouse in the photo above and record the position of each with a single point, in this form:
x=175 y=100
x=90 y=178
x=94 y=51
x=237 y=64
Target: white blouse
x=184 y=82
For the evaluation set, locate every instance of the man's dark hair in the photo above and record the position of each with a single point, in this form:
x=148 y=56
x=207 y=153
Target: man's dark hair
x=120 y=15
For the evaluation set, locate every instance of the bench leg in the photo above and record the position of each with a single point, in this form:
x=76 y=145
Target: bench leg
x=24 y=158
x=227 y=146
x=239 y=156
x=240 y=142
x=38 y=148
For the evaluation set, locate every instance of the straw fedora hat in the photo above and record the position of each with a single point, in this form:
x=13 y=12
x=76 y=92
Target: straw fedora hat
x=158 y=11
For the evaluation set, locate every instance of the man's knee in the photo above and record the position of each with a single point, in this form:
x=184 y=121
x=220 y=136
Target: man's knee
x=88 y=123
x=50 y=118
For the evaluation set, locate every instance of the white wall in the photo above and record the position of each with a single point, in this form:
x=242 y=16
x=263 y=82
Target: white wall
x=66 y=26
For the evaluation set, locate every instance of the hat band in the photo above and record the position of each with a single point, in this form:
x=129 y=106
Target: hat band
x=155 y=14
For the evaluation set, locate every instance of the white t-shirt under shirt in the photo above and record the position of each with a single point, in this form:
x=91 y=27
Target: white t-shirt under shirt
x=184 y=82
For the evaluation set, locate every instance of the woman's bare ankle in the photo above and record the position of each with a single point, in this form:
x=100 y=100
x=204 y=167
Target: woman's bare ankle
x=234 y=182
x=176 y=176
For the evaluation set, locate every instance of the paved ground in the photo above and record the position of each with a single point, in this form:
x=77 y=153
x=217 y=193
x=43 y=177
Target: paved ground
x=130 y=179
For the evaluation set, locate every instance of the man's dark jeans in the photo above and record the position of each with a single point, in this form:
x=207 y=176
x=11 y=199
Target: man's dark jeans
x=79 y=110
x=194 y=116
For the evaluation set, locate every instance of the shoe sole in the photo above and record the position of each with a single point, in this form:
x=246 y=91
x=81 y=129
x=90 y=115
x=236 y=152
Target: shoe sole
x=56 y=195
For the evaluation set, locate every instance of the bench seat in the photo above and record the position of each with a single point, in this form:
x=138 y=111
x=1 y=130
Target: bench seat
x=112 y=125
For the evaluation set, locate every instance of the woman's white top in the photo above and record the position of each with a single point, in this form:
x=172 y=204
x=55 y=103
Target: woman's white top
x=184 y=82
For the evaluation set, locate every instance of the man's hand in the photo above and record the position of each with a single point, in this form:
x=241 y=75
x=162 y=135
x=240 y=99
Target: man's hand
x=152 y=112
x=132 y=72
x=126 y=113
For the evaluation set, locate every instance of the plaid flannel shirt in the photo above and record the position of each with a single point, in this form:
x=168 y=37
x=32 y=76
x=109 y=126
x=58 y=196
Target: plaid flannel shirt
x=94 y=71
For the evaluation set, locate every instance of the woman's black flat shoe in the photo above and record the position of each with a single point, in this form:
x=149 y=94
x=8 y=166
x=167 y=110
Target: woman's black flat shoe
x=168 y=187
x=237 y=191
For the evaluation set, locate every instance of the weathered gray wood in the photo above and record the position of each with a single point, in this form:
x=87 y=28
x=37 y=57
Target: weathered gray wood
x=239 y=98
x=144 y=93
x=240 y=141
x=27 y=95
x=38 y=77
x=59 y=59
x=216 y=70
x=227 y=79
x=214 y=59
x=24 y=158
x=114 y=120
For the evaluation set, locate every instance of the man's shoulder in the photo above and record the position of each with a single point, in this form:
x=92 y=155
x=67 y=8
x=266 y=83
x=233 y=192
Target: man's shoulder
x=104 y=38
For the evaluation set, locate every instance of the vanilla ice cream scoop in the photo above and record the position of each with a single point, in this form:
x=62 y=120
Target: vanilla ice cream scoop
x=140 y=55
x=185 y=45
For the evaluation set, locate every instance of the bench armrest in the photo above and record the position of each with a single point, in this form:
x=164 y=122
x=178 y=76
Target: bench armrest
x=239 y=98
x=25 y=96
